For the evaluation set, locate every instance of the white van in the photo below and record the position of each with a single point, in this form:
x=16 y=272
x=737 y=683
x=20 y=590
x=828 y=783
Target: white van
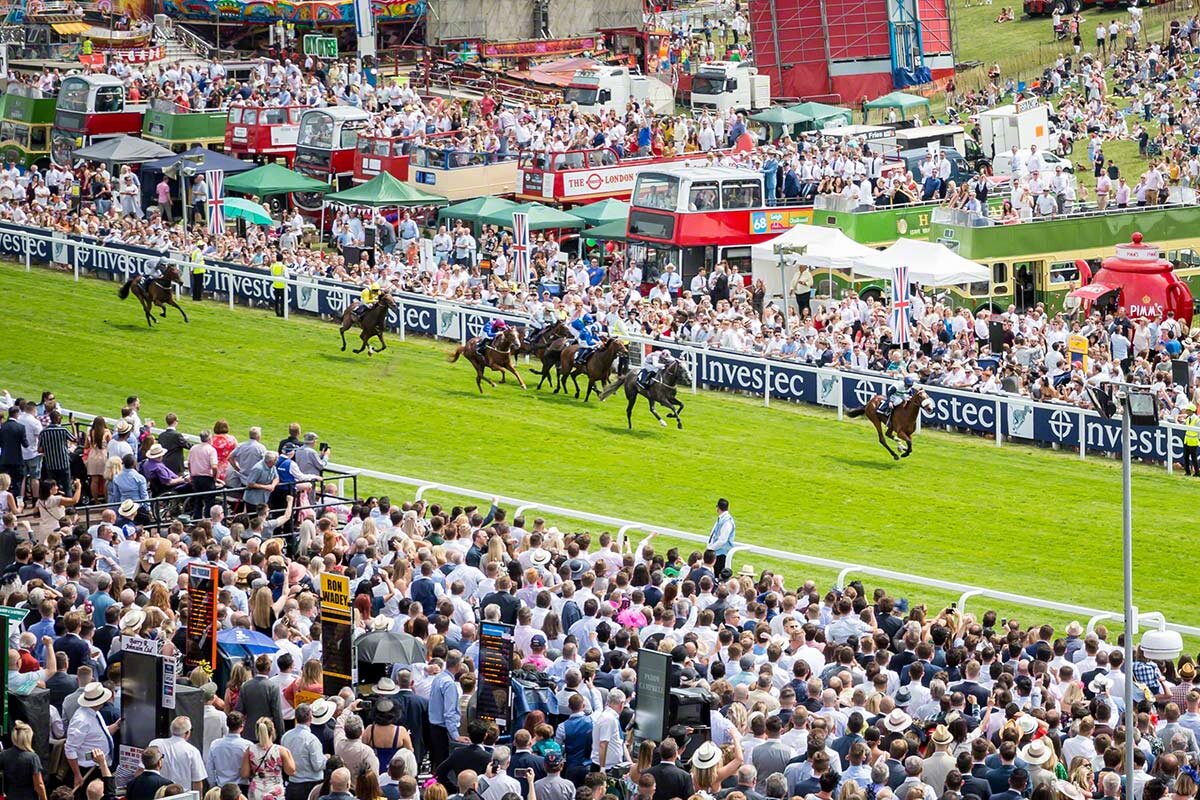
x=1002 y=163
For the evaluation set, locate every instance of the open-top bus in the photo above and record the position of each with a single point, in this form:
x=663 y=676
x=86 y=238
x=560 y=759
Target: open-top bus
x=325 y=148
x=90 y=108
x=262 y=133
x=585 y=176
x=25 y=121
x=461 y=174
x=179 y=129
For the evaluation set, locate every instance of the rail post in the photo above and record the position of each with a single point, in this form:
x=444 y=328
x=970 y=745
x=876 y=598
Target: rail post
x=401 y=314
x=841 y=578
x=999 y=425
x=287 y=298
x=767 y=383
x=1082 y=434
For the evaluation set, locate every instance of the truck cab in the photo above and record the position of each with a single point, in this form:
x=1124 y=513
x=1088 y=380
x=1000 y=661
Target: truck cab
x=722 y=85
x=601 y=88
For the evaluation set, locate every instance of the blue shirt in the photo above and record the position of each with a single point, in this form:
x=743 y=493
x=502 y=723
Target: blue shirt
x=443 y=703
x=100 y=602
x=129 y=484
x=259 y=473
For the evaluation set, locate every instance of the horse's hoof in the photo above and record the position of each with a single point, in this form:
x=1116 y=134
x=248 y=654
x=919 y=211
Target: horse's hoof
x=895 y=458
x=662 y=422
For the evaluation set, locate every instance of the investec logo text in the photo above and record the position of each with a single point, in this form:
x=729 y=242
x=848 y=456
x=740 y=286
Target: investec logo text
x=954 y=410
x=16 y=244
x=785 y=381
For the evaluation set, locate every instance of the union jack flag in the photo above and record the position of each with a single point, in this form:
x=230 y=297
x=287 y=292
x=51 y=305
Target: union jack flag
x=520 y=249
x=215 y=178
x=901 y=303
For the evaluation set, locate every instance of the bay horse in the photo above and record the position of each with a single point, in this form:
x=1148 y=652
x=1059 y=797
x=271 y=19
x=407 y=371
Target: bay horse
x=661 y=390
x=500 y=354
x=373 y=322
x=900 y=425
x=597 y=367
x=548 y=348
x=158 y=292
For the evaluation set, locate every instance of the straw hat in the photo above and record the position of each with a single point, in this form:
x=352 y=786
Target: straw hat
x=322 y=711
x=128 y=509
x=707 y=756
x=898 y=721
x=95 y=695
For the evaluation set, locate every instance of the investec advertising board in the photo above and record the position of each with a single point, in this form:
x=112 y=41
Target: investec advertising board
x=1012 y=417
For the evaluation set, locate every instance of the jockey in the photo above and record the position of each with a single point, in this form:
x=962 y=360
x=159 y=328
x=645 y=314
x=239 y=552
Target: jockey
x=898 y=395
x=585 y=331
x=653 y=364
x=370 y=295
x=491 y=330
x=154 y=271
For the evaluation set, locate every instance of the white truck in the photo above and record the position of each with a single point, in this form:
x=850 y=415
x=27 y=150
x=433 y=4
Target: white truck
x=723 y=85
x=602 y=88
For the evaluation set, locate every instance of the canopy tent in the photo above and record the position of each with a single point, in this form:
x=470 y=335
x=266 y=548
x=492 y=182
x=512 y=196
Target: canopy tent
x=540 y=217
x=611 y=231
x=811 y=245
x=818 y=115
x=603 y=211
x=252 y=212
x=929 y=264
x=273 y=179
x=384 y=191
x=123 y=150
x=907 y=104
x=475 y=210
x=203 y=159
x=777 y=119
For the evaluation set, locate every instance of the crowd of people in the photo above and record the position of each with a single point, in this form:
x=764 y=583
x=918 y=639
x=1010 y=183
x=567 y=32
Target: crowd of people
x=843 y=693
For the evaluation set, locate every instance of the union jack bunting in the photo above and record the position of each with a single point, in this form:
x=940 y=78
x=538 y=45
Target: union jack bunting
x=901 y=332
x=215 y=178
x=520 y=249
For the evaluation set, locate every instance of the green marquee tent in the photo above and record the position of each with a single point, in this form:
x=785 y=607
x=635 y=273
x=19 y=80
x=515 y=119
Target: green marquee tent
x=384 y=191
x=603 y=211
x=273 y=179
x=476 y=210
x=540 y=217
x=611 y=231
x=906 y=104
x=818 y=115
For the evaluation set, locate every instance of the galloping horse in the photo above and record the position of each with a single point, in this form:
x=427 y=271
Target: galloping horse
x=548 y=349
x=900 y=425
x=536 y=342
x=660 y=390
x=373 y=322
x=158 y=292
x=597 y=367
x=500 y=354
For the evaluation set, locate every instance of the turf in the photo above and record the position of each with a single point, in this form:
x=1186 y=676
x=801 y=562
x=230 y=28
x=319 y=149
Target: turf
x=1018 y=518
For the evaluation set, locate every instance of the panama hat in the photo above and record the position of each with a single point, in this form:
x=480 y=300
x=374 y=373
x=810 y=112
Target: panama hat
x=746 y=571
x=133 y=618
x=128 y=509
x=707 y=756
x=1027 y=724
x=124 y=427
x=156 y=451
x=539 y=557
x=941 y=736
x=1100 y=683
x=1036 y=753
x=1074 y=628
x=898 y=721
x=1068 y=790
x=322 y=711
x=95 y=695
x=1187 y=672
x=385 y=686
x=381 y=624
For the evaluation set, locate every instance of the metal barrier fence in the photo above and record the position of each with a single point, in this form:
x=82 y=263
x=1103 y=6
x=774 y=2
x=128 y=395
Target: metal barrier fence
x=1001 y=417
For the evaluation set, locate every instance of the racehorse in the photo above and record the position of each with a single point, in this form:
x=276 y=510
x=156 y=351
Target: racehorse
x=660 y=390
x=597 y=367
x=158 y=292
x=548 y=348
x=373 y=322
x=900 y=425
x=500 y=354
x=536 y=342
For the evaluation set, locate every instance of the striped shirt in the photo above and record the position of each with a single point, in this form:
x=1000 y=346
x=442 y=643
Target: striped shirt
x=54 y=441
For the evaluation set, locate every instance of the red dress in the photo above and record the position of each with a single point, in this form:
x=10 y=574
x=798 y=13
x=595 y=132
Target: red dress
x=223 y=443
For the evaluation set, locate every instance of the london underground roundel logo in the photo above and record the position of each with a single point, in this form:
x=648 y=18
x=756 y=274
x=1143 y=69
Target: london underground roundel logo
x=594 y=181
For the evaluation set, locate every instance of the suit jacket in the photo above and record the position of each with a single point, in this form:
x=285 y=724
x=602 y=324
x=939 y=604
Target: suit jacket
x=670 y=781
x=997 y=778
x=145 y=785
x=473 y=757
x=896 y=775
x=77 y=650
x=976 y=786
x=60 y=685
x=523 y=761
x=414 y=716
x=260 y=698
x=972 y=689
x=1007 y=794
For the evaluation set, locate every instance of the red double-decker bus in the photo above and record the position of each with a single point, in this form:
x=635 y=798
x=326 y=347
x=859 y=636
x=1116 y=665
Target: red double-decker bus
x=694 y=217
x=325 y=148
x=584 y=176
x=90 y=108
x=263 y=133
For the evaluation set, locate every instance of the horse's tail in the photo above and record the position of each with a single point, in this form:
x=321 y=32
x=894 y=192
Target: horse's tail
x=123 y=292
x=856 y=412
x=611 y=389
x=458 y=351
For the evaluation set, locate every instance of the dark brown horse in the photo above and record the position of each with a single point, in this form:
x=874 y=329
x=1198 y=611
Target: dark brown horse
x=158 y=292
x=660 y=390
x=373 y=322
x=900 y=425
x=597 y=367
x=500 y=354
x=548 y=349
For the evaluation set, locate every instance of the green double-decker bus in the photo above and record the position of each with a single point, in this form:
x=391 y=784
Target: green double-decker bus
x=179 y=129
x=26 y=116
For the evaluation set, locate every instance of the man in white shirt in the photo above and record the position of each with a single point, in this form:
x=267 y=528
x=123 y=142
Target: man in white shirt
x=498 y=781
x=608 y=746
x=181 y=761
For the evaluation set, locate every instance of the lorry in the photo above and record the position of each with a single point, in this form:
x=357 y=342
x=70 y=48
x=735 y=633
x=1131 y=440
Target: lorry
x=722 y=85
x=1022 y=125
x=612 y=88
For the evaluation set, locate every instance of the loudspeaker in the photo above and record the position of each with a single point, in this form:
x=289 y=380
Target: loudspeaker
x=996 y=336
x=34 y=709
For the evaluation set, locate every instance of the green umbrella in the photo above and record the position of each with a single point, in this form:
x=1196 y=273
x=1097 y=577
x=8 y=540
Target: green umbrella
x=384 y=191
x=475 y=210
x=540 y=217
x=273 y=179
x=603 y=211
x=252 y=212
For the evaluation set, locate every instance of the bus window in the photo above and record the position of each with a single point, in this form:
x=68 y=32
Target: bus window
x=110 y=99
x=21 y=135
x=235 y=115
x=382 y=147
x=741 y=194
x=1185 y=258
x=703 y=196
x=251 y=116
x=349 y=138
x=605 y=156
x=294 y=115
x=657 y=191
x=999 y=273
x=274 y=116
x=6 y=131
x=653 y=259
x=39 y=138
x=739 y=258
x=1063 y=272
x=978 y=289
x=73 y=95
